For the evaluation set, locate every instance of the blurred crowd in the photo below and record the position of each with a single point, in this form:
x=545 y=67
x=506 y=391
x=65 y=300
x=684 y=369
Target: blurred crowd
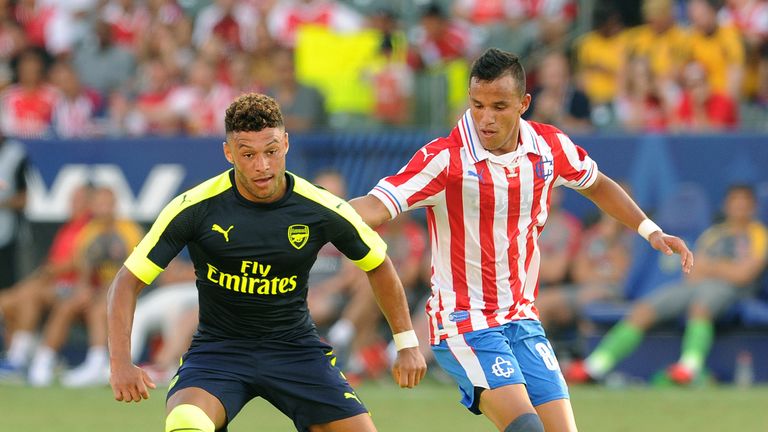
x=585 y=264
x=90 y=68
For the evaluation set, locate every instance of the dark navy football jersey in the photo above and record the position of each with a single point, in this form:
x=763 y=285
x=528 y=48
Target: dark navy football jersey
x=252 y=260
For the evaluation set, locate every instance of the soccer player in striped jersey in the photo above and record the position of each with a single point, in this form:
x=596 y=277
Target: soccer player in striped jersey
x=253 y=234
x=486 y=189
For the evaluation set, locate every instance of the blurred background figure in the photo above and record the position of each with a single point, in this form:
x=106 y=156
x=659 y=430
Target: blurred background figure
x=555 y=99
x=340 y=299
x=702 y=108
x=22 y=305
x=13 y=198
x=26 y=107
x=730 y=257
x=559 y=242
x=303 y=106
x=101 y=247
x=640 y=104
x=597 y=274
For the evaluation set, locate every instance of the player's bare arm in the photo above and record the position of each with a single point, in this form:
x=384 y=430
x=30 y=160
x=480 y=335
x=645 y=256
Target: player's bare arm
x=129 y=382
x=371 y=209
x=612 y=199
x=410 y=366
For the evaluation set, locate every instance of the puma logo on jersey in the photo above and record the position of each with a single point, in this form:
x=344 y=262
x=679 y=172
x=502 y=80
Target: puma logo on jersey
x=348 y=395
x=221 y=231
x=426 y=155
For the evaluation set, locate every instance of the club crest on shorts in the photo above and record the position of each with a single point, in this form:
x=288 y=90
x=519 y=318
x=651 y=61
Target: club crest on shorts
x=298 y=235
x=502 y=368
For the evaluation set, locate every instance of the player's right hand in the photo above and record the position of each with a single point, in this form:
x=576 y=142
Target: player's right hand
x=409 y=368
x=130 y=383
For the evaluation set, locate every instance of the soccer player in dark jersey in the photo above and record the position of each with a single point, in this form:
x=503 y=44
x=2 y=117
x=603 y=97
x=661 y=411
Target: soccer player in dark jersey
x=253 y=234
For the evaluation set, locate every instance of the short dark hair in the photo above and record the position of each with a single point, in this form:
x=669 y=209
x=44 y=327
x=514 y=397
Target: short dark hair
x=742 y=187
x=495 y=63
x=253 y=112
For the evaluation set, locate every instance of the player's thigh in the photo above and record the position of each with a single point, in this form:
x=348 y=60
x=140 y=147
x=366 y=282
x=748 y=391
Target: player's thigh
x=485 y=368
x=503 y=405
x=557 y=416
x=358 y=423
x=300 y=378
x=200 y=398
x=538 y=363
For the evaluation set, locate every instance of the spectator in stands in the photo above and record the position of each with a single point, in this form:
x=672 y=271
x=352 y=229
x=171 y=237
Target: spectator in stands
x=169 y=309
x=702 y=108
x=730 y=257
x=391 y=77
x=287 y=16
x=303 y=106
x=751 y=18
x=233 y=22
x=438 y=39
x=48 y=25
x=200 y=103
x=718 y=48
x=102 y=65
x=12 y=41
x=556 y=100
x=558 y=243
x=149 y=114
x=598 y=61
x=101 y=248
x=661 y=43
x=550 y=19
x=597 y=274
x=339 y=299
x=23 y=304
x=128 y=19
x=26 y=107
x=74 y=114
x=13 y=199
x=640 y=104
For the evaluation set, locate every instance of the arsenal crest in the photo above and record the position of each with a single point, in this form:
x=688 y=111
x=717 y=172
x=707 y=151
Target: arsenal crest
x=298 y=235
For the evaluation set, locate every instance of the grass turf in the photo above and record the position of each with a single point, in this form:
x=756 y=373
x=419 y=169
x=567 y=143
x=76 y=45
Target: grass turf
x=432 y=407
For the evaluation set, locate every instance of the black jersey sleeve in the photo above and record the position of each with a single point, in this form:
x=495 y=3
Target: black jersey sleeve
x=173 y=229
x=351 y=236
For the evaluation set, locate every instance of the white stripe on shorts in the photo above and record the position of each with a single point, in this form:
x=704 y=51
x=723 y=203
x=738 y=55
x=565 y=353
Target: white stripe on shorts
x=468 y=360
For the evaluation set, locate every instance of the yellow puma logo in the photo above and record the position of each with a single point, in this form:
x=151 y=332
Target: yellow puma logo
x=221 y=230
x=348 y=395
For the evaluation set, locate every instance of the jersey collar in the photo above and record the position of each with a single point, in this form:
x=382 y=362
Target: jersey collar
x=476 y=151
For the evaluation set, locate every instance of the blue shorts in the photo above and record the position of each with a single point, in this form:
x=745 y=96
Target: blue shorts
x=514 y=353
x=298 y=377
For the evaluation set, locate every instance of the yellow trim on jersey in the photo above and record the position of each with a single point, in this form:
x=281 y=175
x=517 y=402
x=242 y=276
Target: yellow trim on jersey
x=138 y=262
x=378 y=249
x=758 y=236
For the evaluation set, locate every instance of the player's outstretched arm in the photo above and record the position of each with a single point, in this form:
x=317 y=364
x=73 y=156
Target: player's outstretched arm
x=371 y=210
x=129 y=382
x=410 y=366
x=612 y=199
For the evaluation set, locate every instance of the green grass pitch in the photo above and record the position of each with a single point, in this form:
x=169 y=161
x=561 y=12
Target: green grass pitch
x=431 y=407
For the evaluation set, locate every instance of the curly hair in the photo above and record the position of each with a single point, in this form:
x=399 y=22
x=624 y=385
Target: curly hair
x=252 y=112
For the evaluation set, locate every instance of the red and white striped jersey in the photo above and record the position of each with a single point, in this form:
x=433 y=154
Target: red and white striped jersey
x=484 y=214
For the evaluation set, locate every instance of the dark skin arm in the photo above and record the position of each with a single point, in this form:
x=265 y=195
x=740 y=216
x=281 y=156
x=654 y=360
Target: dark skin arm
x=129 y=382
x=612 y=199
x=410 y=366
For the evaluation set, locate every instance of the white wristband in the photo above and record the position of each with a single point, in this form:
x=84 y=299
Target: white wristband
x=406 y=339
x=646 y=228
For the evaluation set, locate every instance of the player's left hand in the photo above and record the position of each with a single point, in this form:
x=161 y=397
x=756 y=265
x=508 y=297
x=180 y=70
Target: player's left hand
x=409 y=368
x=668 y=245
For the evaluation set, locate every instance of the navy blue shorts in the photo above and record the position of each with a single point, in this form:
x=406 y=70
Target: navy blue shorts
x=298 y=377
